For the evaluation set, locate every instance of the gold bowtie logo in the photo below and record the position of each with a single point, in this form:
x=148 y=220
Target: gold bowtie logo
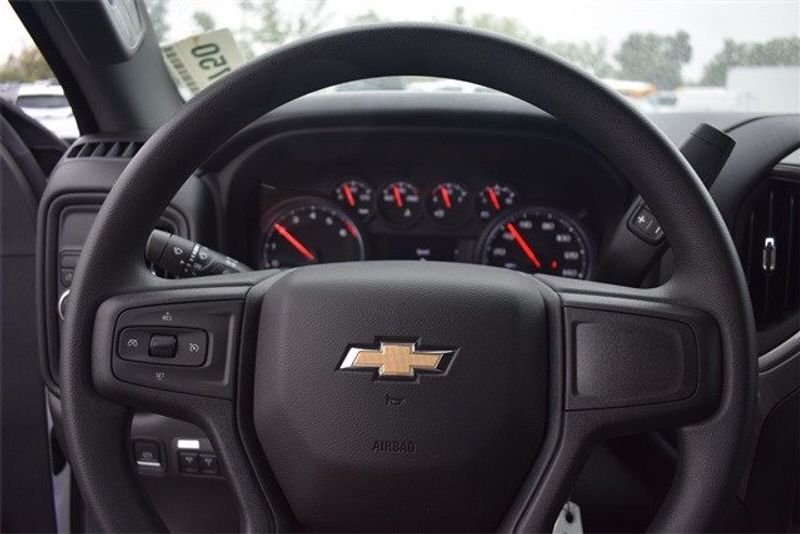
x=396 y=360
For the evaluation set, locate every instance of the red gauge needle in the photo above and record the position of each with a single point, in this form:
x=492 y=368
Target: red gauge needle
x=493 y=198
x=301 y=248
x=398 y=198
x=445 y=197
x=349 y=194
x=526 y=248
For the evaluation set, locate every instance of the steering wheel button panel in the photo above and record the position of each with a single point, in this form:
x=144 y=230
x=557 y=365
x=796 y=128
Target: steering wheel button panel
x=185 y=347
x=204 y=332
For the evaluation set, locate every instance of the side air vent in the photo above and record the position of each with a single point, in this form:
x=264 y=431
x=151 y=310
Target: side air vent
x=105 y=149
x=770 y=250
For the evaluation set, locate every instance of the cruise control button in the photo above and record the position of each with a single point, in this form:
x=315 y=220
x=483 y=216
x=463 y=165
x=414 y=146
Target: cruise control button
x=192 y=347
x=163 y=346
x=133 y=344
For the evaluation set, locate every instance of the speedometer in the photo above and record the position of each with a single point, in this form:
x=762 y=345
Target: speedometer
x=537 y=240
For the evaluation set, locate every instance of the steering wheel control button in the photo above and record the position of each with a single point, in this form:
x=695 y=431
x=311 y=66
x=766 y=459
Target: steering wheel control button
x=192 y=347
x=189 y=462
x=185 y=347
x=133 y=344
x=163 y=346
x=644 y=224
x=147 y=454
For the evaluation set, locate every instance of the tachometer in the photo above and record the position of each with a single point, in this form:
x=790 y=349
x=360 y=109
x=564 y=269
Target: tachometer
x=308 y=232
x=537 y=240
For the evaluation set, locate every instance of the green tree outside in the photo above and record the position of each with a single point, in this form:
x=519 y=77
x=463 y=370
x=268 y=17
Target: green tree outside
x=26 y=66
x=655 y=58
x=784 y=51
x=158 y=10
x=204 y=21
x=590 y=55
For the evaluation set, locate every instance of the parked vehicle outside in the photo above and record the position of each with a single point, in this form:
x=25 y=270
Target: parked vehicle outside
x=45 y=102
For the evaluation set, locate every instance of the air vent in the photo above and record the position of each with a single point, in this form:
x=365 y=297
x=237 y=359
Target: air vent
x=770 y=251
x=105 y=149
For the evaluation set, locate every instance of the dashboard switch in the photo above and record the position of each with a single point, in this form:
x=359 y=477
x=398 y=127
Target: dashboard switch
x=163 y=346
x=147 y=453
x=209 y=464
x=189 y=462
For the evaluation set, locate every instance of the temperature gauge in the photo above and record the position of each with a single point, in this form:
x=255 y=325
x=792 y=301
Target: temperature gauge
x=449 y=204
x=356 y=196
x=493 y=199
x=401 y=203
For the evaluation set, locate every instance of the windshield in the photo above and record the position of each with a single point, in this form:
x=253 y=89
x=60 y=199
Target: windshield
x=716 y=55
x=664 y=56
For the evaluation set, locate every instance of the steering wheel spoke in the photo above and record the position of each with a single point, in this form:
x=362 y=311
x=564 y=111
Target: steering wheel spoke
x=636 y=359
x=173 y=348
x=628 y=360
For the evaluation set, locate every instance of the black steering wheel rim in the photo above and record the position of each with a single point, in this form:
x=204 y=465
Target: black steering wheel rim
x=707 y=273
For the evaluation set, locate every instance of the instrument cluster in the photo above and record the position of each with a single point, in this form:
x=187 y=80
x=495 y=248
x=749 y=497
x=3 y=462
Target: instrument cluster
x=358 y=219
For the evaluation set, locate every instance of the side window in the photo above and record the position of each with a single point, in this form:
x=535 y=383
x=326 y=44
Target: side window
x=27 y=81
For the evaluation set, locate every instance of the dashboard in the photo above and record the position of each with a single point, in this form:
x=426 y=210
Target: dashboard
x=513 y=200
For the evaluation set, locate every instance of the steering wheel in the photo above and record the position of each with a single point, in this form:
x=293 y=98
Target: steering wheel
x=403 y=395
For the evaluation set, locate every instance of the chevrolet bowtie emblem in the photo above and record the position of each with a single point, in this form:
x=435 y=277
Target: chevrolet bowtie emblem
x=396 y=360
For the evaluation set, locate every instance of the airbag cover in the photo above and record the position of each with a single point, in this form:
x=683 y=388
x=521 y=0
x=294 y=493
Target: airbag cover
x=443 y=450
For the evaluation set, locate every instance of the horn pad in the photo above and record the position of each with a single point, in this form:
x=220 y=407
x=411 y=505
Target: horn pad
x=438 y=443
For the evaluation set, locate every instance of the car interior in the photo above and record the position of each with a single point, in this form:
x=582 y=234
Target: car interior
x=265 y=305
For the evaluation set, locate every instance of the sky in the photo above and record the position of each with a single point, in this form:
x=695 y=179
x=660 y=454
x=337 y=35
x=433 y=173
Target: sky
x=708 y=22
